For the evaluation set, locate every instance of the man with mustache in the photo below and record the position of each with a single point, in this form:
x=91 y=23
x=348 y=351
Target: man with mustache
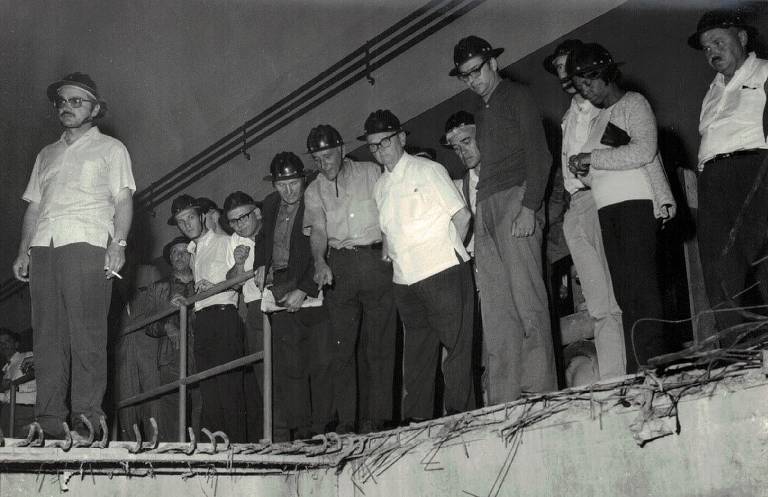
x=732 y=158
x=73 y=241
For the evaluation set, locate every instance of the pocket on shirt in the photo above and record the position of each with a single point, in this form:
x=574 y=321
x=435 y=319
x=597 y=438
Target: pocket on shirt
x=93 y=174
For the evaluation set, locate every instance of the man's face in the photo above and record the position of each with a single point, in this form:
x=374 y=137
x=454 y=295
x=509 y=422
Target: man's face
x=389 y=147
x=190 y=223
x=71 y=117
x=290 y=190
x=465 y=145
x=595 y=90
x=725 y=49
x=179 y=257
x=7 y=348
x=211 y=219
x=329 y=161
x=245 y=220
x=565 y=81
x=480 y=75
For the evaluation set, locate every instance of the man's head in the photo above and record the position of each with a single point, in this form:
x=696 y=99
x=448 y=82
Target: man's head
x=593 y=71
x=326 y=147
x=211 y=213
x=76 y=100
x=724 y=37
x=175 y=253
x=385 y=137
x=9 y=344
x=243 y=214
x=475 y=64
x=287 y=176
x=460 y=135
x=187 y=215
x=555 y=64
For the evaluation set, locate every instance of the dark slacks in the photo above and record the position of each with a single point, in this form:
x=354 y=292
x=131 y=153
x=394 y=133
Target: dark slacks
x=436 y=311
x=254 y=376
x=219 y=339
x=363 y=314
x=629 y=236
x=70 y=299
x=722 y=189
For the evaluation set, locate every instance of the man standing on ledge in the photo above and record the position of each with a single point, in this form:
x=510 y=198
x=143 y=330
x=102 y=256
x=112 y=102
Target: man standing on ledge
x=346 y=247
x=73 y=243
x=517 y=339
x=424 y=220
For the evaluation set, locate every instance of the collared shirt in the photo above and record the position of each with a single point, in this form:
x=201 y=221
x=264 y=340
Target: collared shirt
x=345 y=206
x=75 y=186
x=251 y=290
x=732 y=115
x=281 y=247
x=11 y=371
x=416 y=202
x=510 y=135
x=209 y=262
x=576 y=126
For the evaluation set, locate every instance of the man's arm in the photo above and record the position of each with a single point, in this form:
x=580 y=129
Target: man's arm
x=461 y=221
x=21 y=264
x=318 y=240
x=114 y=259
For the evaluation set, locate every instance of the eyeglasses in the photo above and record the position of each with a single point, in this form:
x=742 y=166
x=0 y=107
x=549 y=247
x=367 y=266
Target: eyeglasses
x=383 y=143
x=74 y=102
x=472 y=73
x=242 y=218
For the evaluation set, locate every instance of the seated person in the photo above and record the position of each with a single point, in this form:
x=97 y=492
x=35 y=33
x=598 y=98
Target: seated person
x=15 y=365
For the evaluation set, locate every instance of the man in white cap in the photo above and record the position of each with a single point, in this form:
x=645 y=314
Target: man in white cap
x=73 y=243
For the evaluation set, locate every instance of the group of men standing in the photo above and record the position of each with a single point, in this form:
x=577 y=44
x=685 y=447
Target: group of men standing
x=344 y=254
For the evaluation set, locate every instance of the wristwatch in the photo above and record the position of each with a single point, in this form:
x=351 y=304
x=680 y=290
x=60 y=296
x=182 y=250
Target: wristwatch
x=121 y=242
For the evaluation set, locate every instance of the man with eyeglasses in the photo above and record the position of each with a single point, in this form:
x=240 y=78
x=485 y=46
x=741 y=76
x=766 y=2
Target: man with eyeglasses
x=243 y=214
x=346 y=247
x=73 y=243
x=508 y=226
x=424 y=221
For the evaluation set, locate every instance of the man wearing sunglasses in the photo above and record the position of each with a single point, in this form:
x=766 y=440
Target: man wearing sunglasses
x=73 y=242
x=508 y=226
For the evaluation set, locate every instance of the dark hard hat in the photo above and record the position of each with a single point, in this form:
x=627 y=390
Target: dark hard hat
x=206 y=204
x=720 y=18
x=588 y=57
x=323 y=137
x=79 y=80
x=285 y=165
x=239 y=199
x=469 y=47
x=169 y=246
x=180 y=203
x=457 y=120
x=380 y=121
x=564 y=48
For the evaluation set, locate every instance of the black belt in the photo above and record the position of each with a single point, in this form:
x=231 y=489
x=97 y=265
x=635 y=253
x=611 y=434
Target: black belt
x=220 y=307
x=373 y=246
x=737 y=153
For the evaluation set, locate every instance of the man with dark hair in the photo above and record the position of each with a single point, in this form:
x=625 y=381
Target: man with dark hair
x=508 y=227
x=14 y=365
x=346 y=246
x=72 y=244
x=424 y=221
x=732 y=159
x=218 y=331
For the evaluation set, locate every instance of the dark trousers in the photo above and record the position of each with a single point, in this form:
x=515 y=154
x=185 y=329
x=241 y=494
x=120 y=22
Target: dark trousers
x=70 y=299
x=363 y=314
x=629 y=237
x=254 y=376
x=722 y=189
x=436 y=311
x=219 y=339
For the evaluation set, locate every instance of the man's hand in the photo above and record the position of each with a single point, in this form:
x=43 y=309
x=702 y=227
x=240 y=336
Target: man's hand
x=293 y=300
x=525 y=223
x=21 y=267
x=114 y=259
x=668 y=211
x=323 y=274
x=258 y=276
x=241 y=254
x=579 y=164
x=178 y=300
x=203 y=285
x=27 y=365
x=173 y=334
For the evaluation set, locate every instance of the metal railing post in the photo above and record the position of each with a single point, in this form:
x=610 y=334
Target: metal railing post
x=267 y=378
x=12 y=408
x=183 y=311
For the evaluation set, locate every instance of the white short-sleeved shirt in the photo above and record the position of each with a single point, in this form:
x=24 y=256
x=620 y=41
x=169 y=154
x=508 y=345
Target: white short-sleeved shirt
x=251 y=290
x=75 y=186
x=209 y=262
x=416 y=202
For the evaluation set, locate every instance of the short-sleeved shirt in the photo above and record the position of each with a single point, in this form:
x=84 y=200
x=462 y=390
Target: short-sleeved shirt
x=209 y=262
x=251 y=290
x=345 y=206
x=75 y=186
x=416 y=202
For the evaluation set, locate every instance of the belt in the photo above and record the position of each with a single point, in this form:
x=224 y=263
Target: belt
x=220 y=307
x=737 y=153
x=373 y=246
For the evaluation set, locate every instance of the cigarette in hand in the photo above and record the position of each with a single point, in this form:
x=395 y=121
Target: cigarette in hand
x=116 y=274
